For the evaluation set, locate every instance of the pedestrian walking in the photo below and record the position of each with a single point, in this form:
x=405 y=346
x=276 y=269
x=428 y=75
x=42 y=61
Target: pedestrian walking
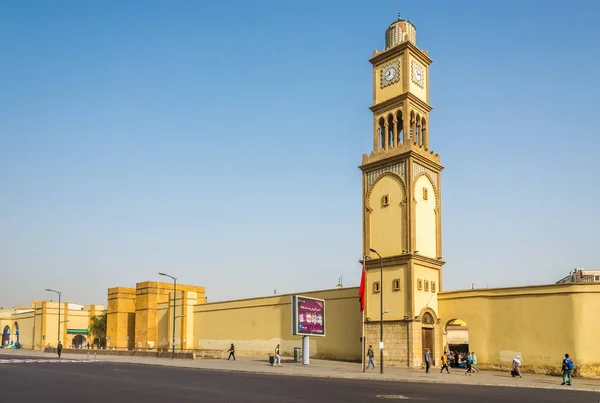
x=516 y=367
x=474 y=362
x=567 y=368
x=231 y=352
x=59 y=348
x=277 y=356
x=444 y=361
x=427 y=361
x=469 y=364
x=370 y=354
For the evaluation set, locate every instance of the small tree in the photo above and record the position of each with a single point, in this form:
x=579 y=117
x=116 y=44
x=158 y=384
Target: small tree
x=98 y=329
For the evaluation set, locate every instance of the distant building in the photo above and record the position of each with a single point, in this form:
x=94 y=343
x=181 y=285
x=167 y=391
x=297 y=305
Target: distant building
x=581 y=276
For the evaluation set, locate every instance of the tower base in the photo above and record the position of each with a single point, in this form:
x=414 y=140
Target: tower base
x=405 y=342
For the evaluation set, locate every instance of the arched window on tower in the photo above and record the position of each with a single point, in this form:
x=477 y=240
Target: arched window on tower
x=381 y=130
x=418 y=130
x=390 y=131
x=399 y=128
x=424 y=141
x=412 y=126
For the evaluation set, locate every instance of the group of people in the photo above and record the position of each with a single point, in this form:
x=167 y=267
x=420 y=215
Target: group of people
x=11 y=344
x=276 y=361
x=453 y=360
x=470 y=360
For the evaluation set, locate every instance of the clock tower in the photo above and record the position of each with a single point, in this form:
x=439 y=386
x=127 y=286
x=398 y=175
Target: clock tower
x=402 y=206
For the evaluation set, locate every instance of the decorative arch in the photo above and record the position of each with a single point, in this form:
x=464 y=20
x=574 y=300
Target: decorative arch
x=380 y=232
x=79 y=341
x=381 y=132
x=390 y=131
x=427 y=215
x=418 y=136
x=5 y=335
x=457 y=337
x=432 y=318
x=399 y=127
x=424 y=140
x=425 y=173
x=394 y=176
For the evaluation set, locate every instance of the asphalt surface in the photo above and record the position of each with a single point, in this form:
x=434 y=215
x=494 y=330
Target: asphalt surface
x=50 y=380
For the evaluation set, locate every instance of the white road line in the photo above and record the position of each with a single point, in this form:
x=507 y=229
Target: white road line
x=38 y=361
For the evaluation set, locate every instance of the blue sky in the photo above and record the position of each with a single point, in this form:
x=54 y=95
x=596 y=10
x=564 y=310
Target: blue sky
x=219 y=142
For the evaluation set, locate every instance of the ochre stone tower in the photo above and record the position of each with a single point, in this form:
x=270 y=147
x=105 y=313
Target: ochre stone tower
x=402 y=205
x=141 y=317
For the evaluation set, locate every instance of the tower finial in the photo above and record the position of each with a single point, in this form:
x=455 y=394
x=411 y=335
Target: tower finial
x=399 y=15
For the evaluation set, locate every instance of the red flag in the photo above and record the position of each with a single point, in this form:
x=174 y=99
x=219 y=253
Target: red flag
x=361 y=292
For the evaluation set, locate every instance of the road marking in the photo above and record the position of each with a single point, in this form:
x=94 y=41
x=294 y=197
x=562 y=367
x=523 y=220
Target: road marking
x=36 y=361
x=401 y=397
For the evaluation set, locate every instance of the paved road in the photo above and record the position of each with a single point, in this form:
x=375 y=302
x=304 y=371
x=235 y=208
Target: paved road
x=99 y=382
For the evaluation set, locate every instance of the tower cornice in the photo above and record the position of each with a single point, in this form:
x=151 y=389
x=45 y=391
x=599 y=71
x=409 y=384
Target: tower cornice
x=401 y=153
x=390 y=53
x=398 y=100
x=402 y=259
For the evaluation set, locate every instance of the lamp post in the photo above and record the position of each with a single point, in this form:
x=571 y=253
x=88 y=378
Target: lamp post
x=59 y=293
x=174 y=303
x=380 y=310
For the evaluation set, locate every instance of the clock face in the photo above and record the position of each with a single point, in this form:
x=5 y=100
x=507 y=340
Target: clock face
x=418 y=74
x=390 y=74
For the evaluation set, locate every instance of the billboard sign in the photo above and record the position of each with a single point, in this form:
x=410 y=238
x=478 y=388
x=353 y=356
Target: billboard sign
x=308 y=316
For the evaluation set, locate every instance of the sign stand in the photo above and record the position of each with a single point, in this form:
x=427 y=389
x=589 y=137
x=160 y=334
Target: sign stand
x=305 y=350
x=308 y=319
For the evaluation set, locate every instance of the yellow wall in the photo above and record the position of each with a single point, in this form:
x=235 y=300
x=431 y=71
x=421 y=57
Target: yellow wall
x=539 y=323
x=587 y=315
x=37 y=326
x=184 y=329
x=50 y=330
x=120 y=318
x=425 y=216
x=190 y=299
x=393 y=301
x=388 y=223
x=425 y=299
x=164 y=324
x=26 y=328
x=257 y=325
x=78 y=319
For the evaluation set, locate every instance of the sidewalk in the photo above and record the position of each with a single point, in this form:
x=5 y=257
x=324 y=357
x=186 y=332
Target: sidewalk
x=337 y=369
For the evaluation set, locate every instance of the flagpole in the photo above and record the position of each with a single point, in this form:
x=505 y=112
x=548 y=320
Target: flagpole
x=363 y=324
x=363 y=341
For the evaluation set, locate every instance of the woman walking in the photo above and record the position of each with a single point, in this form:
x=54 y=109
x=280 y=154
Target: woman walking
x=516 y=367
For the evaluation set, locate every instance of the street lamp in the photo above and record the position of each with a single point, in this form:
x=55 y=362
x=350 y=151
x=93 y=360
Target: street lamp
x=380 y=310
x=59 y=293
x=174 y=303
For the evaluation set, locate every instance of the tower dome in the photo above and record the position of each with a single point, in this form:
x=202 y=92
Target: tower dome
x=400 y=31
